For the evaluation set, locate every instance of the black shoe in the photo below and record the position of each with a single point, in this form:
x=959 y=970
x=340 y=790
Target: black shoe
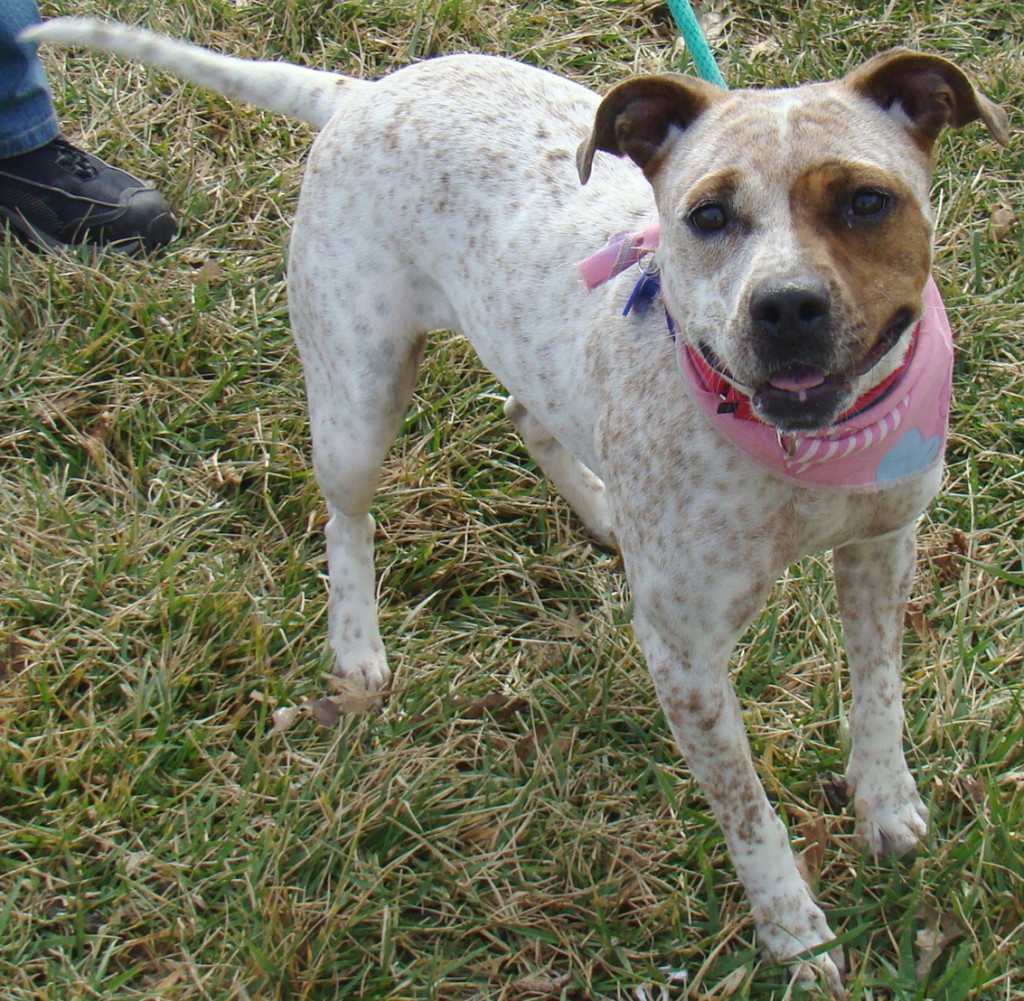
x=59 y=196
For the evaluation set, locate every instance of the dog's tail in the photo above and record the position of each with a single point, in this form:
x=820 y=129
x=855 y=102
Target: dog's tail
x=307 y=94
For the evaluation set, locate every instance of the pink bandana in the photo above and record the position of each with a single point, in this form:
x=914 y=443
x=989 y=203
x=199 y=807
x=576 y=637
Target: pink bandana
x=883 y=439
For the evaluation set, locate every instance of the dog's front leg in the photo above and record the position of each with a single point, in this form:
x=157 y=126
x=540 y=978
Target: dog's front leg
x=694 y=689
x=873 y=580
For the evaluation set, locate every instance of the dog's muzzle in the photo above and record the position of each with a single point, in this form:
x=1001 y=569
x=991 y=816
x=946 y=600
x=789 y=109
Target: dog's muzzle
x=792 y=329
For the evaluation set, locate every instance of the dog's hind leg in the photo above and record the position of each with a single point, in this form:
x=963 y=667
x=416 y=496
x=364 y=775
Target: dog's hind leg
x=361 y=343
x=577 y=483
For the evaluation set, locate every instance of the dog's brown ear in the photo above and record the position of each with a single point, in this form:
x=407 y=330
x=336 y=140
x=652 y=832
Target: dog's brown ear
x=932 y=92
x=636 y=118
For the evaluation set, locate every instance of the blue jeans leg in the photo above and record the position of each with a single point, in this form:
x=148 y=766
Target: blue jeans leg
x=27 y=118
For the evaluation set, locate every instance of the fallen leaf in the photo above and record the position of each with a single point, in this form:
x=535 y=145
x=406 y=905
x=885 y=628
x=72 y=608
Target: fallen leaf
x=351 y=697
x=941 y=930
x=530 y=743
x=358 y=703
x=284 y=718
x=500 y=706
x=945 y=567
x=326 y=712
x=545 y=985
x=13 y=660
x=946 y=560
x=918 y=621
x=974 y=789
x=210 y=273
x=811 y=859
x=837 y=793
x=496 y=704
x=527 y=744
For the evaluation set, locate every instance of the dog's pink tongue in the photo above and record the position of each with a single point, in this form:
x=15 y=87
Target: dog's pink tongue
x=796 y=379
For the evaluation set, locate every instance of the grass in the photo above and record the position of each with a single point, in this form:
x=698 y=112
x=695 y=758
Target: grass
x=516 y=823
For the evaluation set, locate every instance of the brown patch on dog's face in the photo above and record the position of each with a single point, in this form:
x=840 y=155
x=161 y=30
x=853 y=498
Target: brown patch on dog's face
x=867 y=238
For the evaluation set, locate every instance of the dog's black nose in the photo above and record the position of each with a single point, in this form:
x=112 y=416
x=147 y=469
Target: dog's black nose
x=790 y=310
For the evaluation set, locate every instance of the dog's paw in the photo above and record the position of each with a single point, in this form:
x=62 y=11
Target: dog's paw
x=367 y=670
x=829 y=969
x=894 y=830
x=789 y=941
x=892 y=819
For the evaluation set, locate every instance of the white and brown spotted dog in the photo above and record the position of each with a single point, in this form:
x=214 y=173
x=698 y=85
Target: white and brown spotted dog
x=794 y=255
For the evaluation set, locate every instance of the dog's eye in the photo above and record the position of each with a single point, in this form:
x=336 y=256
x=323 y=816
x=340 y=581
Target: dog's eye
x=709 y=217
x=868 y=202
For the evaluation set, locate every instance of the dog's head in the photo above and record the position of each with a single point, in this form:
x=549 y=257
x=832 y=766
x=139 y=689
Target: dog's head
x=795 y=225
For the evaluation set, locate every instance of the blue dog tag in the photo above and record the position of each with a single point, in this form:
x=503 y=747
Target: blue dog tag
x=645 y=291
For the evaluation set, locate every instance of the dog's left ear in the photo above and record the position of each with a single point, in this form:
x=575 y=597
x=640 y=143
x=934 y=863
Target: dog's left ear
x=930 y=91
x=637 y=118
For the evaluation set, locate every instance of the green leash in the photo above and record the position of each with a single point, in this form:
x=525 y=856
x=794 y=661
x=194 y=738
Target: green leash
x=700 y=53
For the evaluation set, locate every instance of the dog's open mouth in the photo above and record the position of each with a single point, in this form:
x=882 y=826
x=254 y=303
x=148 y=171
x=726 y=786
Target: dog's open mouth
x=801 y=397
x=800 y=388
